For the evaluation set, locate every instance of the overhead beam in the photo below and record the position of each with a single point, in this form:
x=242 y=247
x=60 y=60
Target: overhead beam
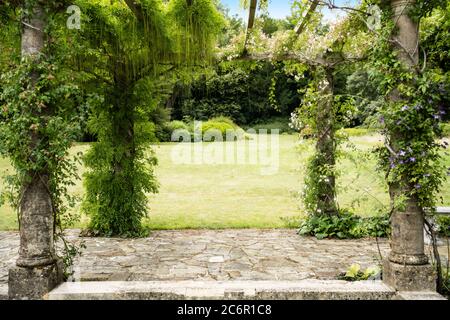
x=302 y=24
x=251 y=20
x=252 y=14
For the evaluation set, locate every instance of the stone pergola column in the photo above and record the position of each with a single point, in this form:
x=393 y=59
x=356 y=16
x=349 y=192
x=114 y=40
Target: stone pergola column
x=407 y=267
x=326 y=145
x=37 y=270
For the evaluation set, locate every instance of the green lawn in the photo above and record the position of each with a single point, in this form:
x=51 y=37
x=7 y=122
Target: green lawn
x=238 y=196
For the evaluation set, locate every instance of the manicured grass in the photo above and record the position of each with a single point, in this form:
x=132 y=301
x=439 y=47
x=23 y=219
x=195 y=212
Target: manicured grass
x=238 y=196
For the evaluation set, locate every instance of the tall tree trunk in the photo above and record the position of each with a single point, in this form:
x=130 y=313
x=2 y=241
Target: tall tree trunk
x=326 y=146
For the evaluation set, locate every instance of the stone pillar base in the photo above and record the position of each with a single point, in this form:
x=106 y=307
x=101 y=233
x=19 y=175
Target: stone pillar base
x=409 y=277
x=34 y=283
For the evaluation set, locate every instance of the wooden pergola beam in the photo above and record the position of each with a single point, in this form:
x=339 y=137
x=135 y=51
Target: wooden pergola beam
x=252 y=14
x=302 y=24
x=251 y=20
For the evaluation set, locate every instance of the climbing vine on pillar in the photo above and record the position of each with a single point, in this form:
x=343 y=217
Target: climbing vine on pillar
x=39 y=105
x=411 y=117
x=317 y=113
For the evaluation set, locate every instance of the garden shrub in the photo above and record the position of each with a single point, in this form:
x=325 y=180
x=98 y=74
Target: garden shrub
x=329 y=226
x=377 y=226
x=346 y=225
x=170 y=127
x=222 y=125
x=215 y=126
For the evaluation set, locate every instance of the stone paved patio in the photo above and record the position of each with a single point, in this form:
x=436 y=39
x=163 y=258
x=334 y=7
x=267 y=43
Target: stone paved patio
x=210 y=255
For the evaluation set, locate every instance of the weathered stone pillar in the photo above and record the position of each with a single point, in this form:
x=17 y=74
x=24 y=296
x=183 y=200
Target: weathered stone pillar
x=407 y=267
x=37 y=270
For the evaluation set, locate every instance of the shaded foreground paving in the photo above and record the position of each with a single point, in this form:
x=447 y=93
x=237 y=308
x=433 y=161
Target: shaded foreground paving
x=210 y=255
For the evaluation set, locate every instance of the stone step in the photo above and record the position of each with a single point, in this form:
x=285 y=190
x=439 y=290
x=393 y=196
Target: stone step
x=234 y=290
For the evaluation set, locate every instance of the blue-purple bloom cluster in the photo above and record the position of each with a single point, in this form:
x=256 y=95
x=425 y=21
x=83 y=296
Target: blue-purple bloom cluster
x=403 y=156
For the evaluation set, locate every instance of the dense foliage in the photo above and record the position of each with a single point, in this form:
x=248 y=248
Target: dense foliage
x=131 y=52
x=215 y=129
x=345 y=226
x=247 y=92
